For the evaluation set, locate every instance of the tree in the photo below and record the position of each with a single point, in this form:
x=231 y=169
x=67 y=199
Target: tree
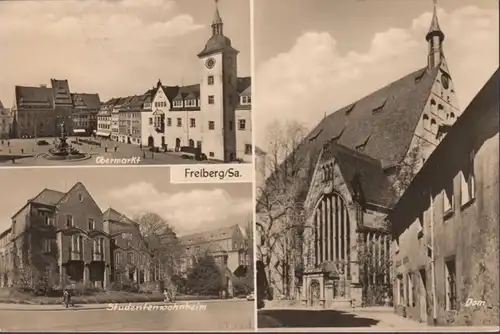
x=205 y=277
x=375 y=268
x=277 y=207
x=161 y=243
x=407 y=170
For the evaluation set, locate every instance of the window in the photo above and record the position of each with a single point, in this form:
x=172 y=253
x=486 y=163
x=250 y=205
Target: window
x=211 y=99
x=413 y=290
x=242 y=124
x=248 y=149
x=448 y=200
x=434 y=127
x=179 y=122
x=192 y=122
x=211 y=154
x=467 y=182
x=191 y=143
x=69 y=221
x=210 y=80
x=150 y=120
x=130 y=258
x=407 y=290
x=118 y=258
x=169 y=121
x=49 y=221
x=211 y=125
x=178 y=104
x=426 y=122
x=47 y=246
x=91 y=224
x=451 y=284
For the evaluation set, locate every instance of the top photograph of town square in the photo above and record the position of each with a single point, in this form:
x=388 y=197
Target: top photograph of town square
x=145 y=82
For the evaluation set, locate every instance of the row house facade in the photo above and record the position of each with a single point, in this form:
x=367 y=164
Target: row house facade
x=66 y=238
x=40 y=111
x=84 y=116
x=446 y=225
x=354 y=160
x=228 y=245
x=213 y=115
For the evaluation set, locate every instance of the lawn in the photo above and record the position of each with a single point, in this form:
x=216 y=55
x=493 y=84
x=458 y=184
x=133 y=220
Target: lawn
x=13 y=296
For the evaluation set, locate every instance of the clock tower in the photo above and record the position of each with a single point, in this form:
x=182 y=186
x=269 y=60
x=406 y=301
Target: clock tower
x=218 y=94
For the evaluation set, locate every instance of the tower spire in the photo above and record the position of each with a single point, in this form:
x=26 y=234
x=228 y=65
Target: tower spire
x=435 y=38
x=217 y=22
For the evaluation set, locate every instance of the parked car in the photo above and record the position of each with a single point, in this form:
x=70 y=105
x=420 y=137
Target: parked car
x=251 y=297
x=42 y=142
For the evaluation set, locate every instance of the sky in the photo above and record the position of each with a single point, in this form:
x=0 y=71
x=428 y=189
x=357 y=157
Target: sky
x=315 y=56
x=112 y=47
x=189 y=208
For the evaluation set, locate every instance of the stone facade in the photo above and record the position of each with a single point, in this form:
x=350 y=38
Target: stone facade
x=65 y=238
x=445 y=227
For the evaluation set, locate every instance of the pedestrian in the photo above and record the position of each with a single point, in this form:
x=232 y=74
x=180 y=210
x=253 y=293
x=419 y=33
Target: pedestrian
x=116 y=148
x=8 y=143
x=166 y=297
x=173 y=292
x=22 y=151
x=105 y=149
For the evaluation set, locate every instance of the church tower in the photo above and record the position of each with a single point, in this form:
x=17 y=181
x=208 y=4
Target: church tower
x=435 y=38
x=218 y=93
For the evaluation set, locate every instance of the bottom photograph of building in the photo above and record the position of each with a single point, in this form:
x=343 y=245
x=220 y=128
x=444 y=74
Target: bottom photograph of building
x=128 y=247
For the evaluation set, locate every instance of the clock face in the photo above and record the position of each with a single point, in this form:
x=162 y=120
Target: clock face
x=210 y=63
x=445 y=82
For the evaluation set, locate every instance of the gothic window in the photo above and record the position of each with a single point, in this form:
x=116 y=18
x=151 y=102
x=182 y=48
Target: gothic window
x=426 y=122
x=91 y=224
x=434 y=127
x=452 y=116
x=440 y=111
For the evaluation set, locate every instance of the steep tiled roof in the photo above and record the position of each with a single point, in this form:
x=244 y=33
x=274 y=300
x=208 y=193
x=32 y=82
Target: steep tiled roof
x=48 y=197
x=382 y=123
x=357 y=167
x=208 y=236
x=186 y=92
x=113 y=215
x=90 y=101
x=33 y=95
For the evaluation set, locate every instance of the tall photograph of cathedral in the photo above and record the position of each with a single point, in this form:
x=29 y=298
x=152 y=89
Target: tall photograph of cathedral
x=377 y=186
x=125 y=82
x=182 y=252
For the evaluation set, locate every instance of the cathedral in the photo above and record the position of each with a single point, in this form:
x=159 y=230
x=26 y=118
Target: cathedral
x=358 y=159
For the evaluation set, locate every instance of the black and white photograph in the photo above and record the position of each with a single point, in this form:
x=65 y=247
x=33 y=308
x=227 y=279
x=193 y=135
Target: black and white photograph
x=143 y=82
x=377 y=183
x=84 y=249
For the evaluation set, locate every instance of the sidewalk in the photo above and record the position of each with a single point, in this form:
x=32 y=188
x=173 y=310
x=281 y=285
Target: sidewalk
x=83 y=307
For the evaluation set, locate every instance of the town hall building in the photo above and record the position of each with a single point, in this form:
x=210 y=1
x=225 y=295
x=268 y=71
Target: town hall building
x=213 y=116
x=357 y=162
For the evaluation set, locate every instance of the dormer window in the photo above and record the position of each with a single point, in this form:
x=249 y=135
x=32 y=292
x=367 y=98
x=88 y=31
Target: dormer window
x=178 y=104
x=246 y=100
x=190 y=103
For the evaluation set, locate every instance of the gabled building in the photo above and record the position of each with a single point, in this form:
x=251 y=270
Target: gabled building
x=64 y=237
x=228 y=245
x=84 y=115
x=445 y=227
x=353 y=163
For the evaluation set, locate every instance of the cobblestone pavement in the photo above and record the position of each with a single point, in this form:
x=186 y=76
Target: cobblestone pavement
x=299 y=318
x=27 y=153
x=231 y=315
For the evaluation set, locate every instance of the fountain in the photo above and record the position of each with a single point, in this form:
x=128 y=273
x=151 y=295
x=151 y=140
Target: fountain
x=62 y=151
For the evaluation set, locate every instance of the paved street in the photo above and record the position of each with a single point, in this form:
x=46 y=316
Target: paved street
x=27 y=153
x=219 y=315
x=324 y=320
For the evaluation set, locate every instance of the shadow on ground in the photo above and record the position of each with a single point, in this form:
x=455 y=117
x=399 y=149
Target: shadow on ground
x=311 y=318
